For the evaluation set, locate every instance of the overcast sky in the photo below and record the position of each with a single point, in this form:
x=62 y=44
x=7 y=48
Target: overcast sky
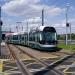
x=18 y=12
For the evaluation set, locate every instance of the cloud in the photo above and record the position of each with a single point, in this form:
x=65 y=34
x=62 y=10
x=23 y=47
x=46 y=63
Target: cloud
x=60 y=25
x=33 y=20
x=29 y=8
x=55 y=11
x=19 y=7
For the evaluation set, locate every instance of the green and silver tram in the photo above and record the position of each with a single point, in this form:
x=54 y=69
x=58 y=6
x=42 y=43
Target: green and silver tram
x=43 y=38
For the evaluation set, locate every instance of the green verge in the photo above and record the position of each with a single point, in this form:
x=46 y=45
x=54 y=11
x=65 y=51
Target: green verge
x=67 y=47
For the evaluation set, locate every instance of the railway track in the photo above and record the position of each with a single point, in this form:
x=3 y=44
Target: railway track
x=47 y=67
x=19 y=63
x=57 y=53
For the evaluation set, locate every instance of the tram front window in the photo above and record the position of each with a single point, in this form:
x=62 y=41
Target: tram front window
x=48 y=36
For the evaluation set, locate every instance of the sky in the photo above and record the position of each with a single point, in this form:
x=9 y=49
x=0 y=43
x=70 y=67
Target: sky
x=20 y=12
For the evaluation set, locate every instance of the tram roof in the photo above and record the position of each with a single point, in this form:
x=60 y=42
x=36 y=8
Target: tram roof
x=46 y=28
x=8 y=34
x=40 y=28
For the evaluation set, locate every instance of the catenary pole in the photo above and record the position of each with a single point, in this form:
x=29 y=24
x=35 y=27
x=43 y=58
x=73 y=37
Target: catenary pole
x=70 y=40
x=28 y=33
x=0 y=31
x=43 y=17
x=67 y=8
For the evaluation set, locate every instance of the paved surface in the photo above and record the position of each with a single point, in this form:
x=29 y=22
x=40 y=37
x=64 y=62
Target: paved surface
x=9 y=67
x=4 y=50
x=48 y=58
x=68 y=67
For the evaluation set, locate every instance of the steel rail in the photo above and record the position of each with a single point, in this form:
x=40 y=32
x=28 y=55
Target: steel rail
x=56 y=54
x=62 y=53
x=21 y=66
x=66 y=53
x=49 y=66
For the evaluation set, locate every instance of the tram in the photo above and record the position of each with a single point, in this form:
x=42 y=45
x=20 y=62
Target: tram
x=43 y=38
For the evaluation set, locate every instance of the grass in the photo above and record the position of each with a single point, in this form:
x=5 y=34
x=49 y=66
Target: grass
x=67 y=47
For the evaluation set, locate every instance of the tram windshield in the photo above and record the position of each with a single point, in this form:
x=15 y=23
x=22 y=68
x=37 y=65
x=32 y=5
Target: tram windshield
x=48 y=36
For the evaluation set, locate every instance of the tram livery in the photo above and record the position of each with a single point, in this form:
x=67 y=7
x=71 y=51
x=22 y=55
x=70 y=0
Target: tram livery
x=43 y=38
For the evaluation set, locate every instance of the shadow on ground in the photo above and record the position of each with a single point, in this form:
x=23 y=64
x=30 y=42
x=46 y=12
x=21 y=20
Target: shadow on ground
x=51 y=50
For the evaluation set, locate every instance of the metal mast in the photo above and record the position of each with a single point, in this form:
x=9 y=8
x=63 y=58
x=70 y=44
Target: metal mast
x=0 y=31
x=28 y=32
x=42 y=17
x=67 y=24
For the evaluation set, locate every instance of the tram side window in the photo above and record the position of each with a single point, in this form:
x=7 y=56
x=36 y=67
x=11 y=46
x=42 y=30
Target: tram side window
x=22 y=37
x=36 y=37
x=39 y=37
x=8 y=38
x=15 y=37
x=25 y=37
x=33 y=37
x=30 y=37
